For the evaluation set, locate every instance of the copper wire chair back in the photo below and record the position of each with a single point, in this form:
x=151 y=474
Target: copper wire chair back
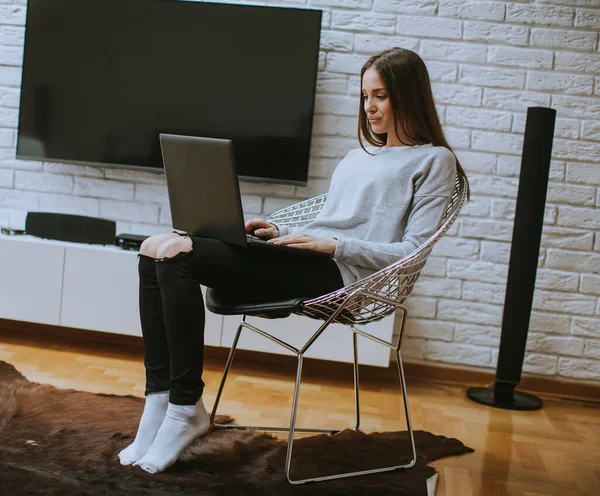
x=392 y=284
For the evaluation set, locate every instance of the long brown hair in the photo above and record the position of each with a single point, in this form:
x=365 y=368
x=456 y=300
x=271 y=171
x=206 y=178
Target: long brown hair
x=415 y=115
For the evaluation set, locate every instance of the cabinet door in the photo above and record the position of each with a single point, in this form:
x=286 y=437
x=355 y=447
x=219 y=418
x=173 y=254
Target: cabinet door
x=334 y=344
x=101 y=293
x=31 y=280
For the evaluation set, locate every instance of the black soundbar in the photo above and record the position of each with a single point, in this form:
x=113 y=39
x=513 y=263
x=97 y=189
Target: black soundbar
x=68 y=227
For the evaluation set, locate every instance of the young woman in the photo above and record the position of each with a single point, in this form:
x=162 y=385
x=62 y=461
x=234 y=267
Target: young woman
x=384 y=201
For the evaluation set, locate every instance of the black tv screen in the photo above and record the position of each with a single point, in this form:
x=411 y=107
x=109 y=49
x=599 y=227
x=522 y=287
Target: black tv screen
x=102 y=79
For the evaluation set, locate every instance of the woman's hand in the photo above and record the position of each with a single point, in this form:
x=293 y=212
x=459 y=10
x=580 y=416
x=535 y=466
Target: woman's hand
x=307 y=242
x=262 y=228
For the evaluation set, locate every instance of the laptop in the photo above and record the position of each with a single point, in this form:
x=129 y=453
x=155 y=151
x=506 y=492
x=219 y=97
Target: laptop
x=204 y=192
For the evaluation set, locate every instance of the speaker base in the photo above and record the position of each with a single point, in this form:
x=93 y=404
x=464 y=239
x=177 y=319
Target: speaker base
x=508 y=400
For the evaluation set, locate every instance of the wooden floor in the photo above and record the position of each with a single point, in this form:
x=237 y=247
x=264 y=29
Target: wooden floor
x=554 y=451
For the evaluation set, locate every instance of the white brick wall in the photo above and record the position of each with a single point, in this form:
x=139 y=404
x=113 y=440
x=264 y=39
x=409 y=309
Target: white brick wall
x=488 y=61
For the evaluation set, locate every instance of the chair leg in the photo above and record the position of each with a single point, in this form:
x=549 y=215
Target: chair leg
x=356 y=382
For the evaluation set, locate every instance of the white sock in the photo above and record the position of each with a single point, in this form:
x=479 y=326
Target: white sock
x=155 y=410
x=182 y=424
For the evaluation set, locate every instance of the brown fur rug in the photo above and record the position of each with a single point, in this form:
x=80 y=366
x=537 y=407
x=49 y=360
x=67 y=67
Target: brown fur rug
x=62 y=442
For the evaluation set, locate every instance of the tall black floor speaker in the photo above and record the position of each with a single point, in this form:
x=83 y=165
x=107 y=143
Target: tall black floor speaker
x=524 y=253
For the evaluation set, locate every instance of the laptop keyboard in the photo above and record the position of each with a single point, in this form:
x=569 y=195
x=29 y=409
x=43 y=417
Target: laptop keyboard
x=255 y=239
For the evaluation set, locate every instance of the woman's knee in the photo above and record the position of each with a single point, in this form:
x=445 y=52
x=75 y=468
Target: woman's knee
x=172 y=247
x=150 y=245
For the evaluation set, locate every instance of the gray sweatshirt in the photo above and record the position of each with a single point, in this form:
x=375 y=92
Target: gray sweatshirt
x=383 y=207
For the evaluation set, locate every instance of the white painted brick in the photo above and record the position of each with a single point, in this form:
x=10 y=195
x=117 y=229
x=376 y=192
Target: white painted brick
x=477 y=162
x=372 y=43
x=443 y=72
x=505 y=187
x=470 y=312
x=465 y=9
x=11 y=55
x=554 y=81
x=550 y=322
x=458 y=138
x=315 y=187
x=350 y=4
x=423 y=7
x=464 y=249
x=68 y=204
x=148 y=229
x=164 y=215
x=321 y=167
x=570 y=194
x=563 y=128
x=477 y=207
x=583 y=173
x=9 y=97
x=19 y=164
x=484 y=292
x=495 y=252
x=150 y=193
x=330 y=147
x=592 y=349
x=589 y=3
x=557 y=280
x=576 y=150
x=546 y=15
x=331 y=83
x=478 y=118
x=477 y=335
x=458 y=353
x=7 y=177
x=431 y=27
x=535 y=363
x=560 y=345
x=101 y=188
x=347 y=127
x=339 y=42
x=337 y=105
x=477 y=271
x=597 y=86
x=586 y=327
x=135 y=212
x=591 y=130
x=597 y=243
x=413 y=347
x=445 y=288
x=354 y=89
x=74 y=170
x=562 y=38
x=7 y=138
x=346 y=63
x=39 y=181
x=434 y=267
x=421 y=306
x=520 y=57
x=9 y=117
x=505 y=209
x=457 y=52
x=272 y=205
x=10 y=76
x=377 y=23
x=491 y=76
x=572 y=260
x=270 y=189
x=322 y=61
x=576 y=106
x=12 y=35
x=564 y=302
x=511 y=166
x=493 y=32
x=326 y=19
x=578 y=368
x=587 y=218
x=590 y=284
x=456 y=94
x=13 y=15
x=588 y=18
x=252 y=204
x=325 y=124
x=157 y=177
x=485 y=229
x=429 y=329
x=514 y=100
x=568 y=61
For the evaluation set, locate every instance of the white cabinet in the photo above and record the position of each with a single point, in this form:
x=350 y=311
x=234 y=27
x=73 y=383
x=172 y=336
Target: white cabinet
x=95 y=288
x=30 y=280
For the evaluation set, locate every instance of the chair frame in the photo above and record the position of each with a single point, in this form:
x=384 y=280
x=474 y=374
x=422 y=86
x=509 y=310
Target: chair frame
x=364 y=301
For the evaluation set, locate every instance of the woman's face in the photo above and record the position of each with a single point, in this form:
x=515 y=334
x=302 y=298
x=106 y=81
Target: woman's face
x=377 y=106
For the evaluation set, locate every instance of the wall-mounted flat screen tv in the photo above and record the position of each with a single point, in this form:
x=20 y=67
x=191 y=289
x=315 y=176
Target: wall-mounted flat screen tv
x=102 y=79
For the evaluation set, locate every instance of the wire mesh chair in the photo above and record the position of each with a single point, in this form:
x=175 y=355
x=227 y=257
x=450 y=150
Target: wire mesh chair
x=367 y=300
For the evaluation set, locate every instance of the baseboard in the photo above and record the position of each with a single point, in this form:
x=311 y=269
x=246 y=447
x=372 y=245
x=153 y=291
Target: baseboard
x=107 y=344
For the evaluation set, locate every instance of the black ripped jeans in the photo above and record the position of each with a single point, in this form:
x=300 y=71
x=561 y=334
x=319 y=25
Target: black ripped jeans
x=172 y=307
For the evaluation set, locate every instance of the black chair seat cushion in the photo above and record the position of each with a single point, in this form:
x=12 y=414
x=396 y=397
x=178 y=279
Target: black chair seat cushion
x=224 y=303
